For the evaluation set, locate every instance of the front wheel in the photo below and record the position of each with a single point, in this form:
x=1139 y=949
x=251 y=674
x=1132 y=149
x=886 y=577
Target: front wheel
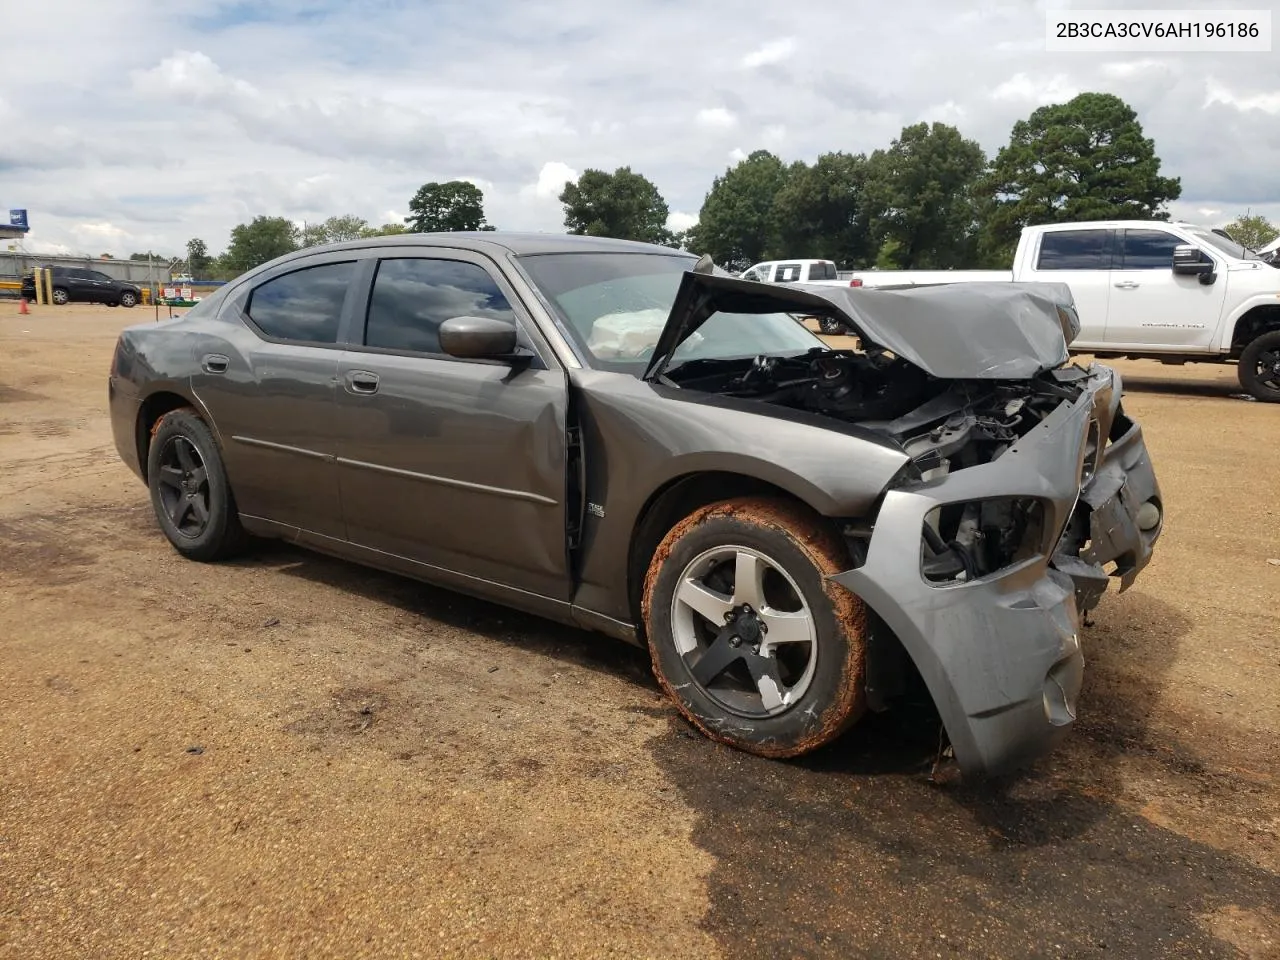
x=128 y=299
x=1259 y=368
x=757 y=649
x=60 y=296
x=189 y=489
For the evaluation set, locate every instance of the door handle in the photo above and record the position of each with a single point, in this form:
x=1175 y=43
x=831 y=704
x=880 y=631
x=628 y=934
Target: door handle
x=362 y=381
x=1127 y=285
x=214 y=363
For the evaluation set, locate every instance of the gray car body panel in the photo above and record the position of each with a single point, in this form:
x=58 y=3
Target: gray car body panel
x=970 y=331
x=999 y=654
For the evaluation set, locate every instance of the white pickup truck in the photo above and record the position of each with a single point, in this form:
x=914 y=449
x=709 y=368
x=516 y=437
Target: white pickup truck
x=1149 y=289
x=794 y=271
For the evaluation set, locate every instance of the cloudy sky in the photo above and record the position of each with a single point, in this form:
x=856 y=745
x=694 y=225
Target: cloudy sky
x=140 y=124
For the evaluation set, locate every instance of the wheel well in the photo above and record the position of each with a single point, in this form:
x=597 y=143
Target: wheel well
x=671 y=504
x=1257 y=321
x=152 y=409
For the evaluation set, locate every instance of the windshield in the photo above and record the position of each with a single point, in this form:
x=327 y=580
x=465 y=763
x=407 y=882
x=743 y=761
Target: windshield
x=614 y=306
x=1229 y=247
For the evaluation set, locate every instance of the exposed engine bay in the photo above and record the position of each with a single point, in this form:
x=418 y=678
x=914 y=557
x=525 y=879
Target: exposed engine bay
x=943 y=425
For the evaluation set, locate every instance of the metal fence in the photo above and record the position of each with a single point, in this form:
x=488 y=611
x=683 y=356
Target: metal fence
x=14 y=265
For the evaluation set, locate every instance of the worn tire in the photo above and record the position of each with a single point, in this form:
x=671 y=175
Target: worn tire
x=221 y=535
x=1255 y=353
x=805 y=548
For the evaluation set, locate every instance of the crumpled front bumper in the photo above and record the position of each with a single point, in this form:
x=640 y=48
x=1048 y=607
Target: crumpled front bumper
x=1001 y=654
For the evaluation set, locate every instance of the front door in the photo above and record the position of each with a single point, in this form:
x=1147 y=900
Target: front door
x=270 y=384
x=457 y=464
x=1150 y=304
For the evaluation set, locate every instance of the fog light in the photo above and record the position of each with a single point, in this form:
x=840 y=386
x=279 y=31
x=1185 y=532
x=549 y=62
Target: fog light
x=1148 y=516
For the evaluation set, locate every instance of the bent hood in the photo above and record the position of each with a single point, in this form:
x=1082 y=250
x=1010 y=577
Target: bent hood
x=954 y=331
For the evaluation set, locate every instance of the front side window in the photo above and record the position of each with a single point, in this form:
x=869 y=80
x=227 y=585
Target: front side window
x=95 y=275
x=1075 y=250
x=412 y=297
x=1148 y=250
x=305 y=305
x=614 y=306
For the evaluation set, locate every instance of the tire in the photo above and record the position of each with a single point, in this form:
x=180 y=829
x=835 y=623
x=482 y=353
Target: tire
x=776 y=697
x=128 y=299
x=1259 y=369
x=60 y=296
x=189 y=490
x=829 y=326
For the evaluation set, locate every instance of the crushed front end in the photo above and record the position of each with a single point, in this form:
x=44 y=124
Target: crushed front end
x=1018 y=508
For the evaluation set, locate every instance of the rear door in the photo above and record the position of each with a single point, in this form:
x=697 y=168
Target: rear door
x=1150 y=304
x=457 y=464
x=269 y=383
x=1080 y=258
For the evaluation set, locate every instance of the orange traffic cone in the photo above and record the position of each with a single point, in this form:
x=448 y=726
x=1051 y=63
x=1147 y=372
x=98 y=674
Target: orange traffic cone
x=22 y=306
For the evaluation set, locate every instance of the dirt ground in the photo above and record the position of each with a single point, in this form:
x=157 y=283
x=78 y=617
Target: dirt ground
x=292 y=756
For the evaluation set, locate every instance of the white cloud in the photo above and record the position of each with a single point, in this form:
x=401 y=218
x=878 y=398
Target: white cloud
x=1208 y=211
x=737 y=155
x=1217 y=92
x=775 y=51
x=678 y=222
x=1124 y=69
x=947 y=112
x=551 y=180
x=716 y=118
x=1041 y=90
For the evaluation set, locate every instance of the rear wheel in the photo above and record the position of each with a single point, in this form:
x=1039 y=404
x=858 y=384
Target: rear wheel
x=189 y=489
x=1259 y=369
x=60 y=296
x=754 y=645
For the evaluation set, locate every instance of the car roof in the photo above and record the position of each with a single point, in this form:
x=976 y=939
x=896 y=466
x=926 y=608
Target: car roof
x=520 y=244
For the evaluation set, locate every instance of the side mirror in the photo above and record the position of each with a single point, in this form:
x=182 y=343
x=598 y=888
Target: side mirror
x=1189 y=260
x=478 y=338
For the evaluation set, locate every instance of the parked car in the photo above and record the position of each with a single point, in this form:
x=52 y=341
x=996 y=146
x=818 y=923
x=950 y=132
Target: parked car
x=1149 y=289
x=792 y=271
x=621 y=437
x=802 y=271
x=86 y=286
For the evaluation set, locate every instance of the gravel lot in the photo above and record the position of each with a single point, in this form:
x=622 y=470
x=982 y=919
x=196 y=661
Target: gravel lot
x=293 y=756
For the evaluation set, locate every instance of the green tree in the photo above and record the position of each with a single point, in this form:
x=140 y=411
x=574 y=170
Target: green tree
x=1082 y=160
x=346 y=226
x=386 y=230
x=819 y=212
x=254 y=243
x=736 y=225
x=920 y=195
x=198 y=259
x=452 y=206
x=621 y=204
x=1252 y=232
x=149 y=255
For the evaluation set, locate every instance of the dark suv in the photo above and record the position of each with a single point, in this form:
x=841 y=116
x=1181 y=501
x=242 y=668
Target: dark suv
x=87 y=286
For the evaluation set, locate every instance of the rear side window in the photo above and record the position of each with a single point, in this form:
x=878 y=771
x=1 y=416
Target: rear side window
x=305 y=305
x=412 y=297
x=1075 y=250
x=822 y=271
x=1148 y=250
x=787 y=273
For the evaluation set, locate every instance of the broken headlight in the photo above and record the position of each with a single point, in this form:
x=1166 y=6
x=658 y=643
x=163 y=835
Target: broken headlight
x=961 y=542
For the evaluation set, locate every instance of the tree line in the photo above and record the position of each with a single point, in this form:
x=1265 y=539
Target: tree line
x=932 y=199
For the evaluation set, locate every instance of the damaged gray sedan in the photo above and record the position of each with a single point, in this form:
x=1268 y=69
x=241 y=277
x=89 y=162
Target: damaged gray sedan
x=624 y=438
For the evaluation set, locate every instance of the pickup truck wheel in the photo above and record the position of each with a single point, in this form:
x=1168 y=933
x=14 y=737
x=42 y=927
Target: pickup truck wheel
x=757 y=649
x=1260 y=367
x=128 y=299
x=189 y=489
x=60 y=296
